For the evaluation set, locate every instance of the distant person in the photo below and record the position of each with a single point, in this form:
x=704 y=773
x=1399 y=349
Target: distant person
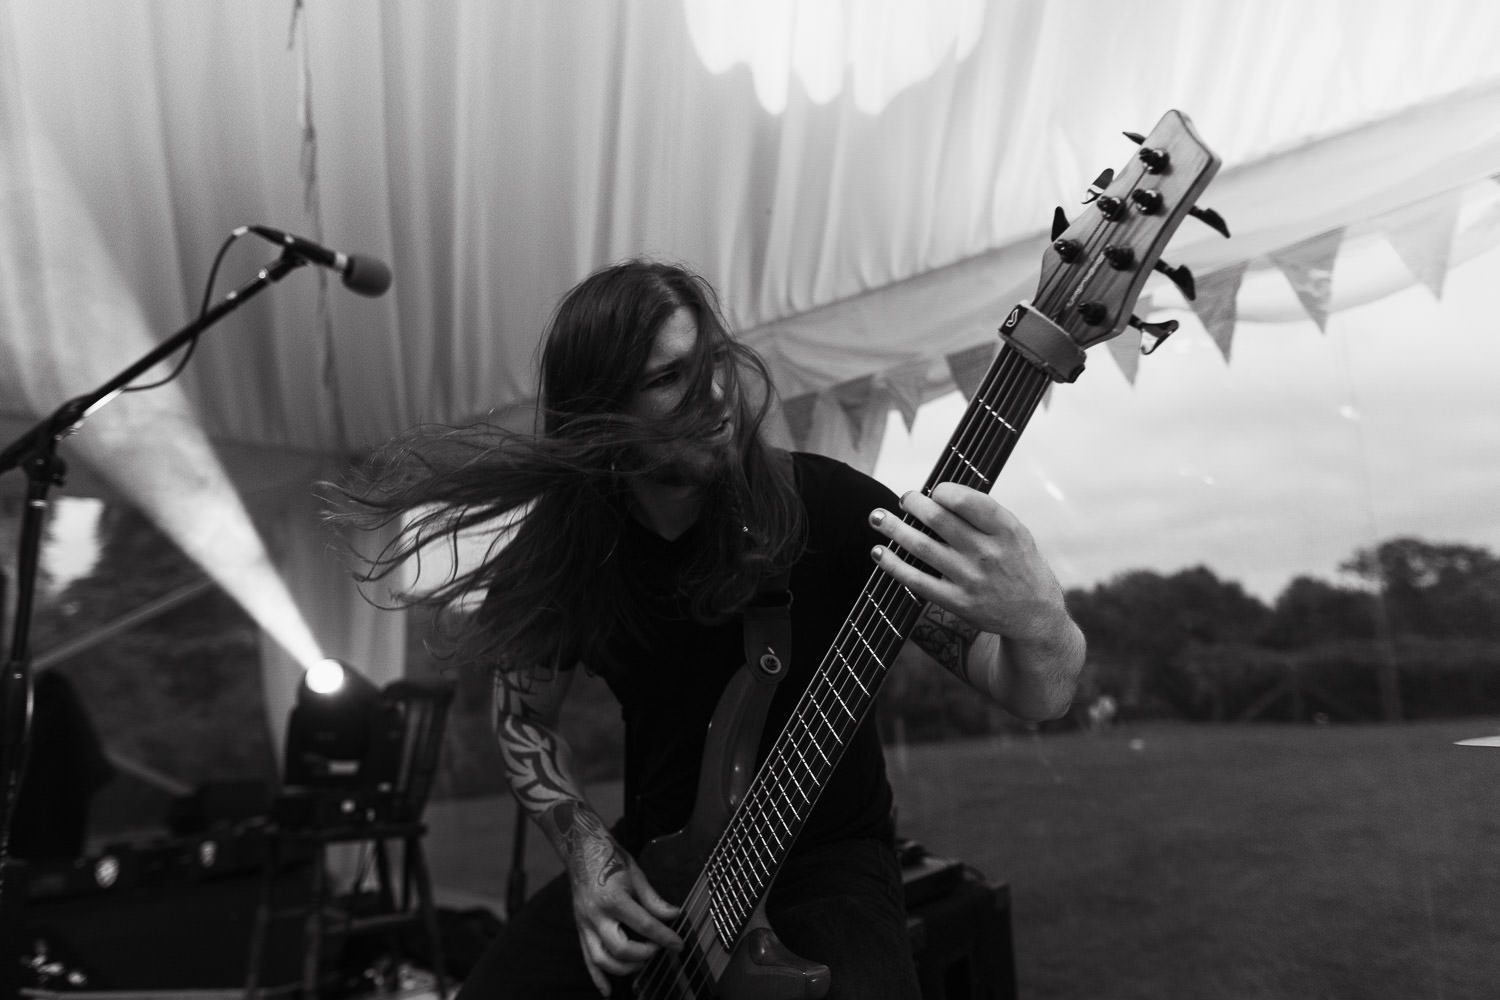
x=1102 y=711
x=651 y=511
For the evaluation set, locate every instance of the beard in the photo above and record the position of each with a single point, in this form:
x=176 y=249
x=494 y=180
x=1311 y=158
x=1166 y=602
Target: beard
x=695 y=463
x=701 y=468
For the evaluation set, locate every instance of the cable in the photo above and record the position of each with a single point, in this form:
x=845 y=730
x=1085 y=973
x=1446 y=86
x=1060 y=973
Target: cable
x=208 y=289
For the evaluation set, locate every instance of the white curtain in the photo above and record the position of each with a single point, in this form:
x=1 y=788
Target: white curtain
x=869 y=193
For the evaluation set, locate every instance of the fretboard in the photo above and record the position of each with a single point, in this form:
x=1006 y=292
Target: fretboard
x=782 y=794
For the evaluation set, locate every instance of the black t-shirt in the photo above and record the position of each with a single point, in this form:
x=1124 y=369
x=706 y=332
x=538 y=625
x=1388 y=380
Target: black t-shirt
x=671 y=678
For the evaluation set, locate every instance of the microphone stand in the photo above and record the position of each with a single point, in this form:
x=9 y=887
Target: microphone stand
x=35 y=454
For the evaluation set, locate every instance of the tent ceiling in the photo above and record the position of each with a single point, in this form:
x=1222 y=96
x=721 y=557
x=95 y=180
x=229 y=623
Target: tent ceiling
x=868 y=192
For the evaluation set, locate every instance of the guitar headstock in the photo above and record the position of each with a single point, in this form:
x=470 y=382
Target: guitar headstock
x=1095 y=267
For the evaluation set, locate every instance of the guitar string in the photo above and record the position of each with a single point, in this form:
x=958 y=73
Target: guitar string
x=827 y=698
x=889 y=641
x=993 y=444
x=889 y=638
x=824 y=708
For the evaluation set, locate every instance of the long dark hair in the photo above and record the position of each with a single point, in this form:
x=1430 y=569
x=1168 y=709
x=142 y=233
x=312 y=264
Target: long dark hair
x=553 y=586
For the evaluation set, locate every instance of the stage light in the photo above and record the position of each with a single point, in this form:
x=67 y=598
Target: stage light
x=331 y=726
x=328 y=677
x=357 y=751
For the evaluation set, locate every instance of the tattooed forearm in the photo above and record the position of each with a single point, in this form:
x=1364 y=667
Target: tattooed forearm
x=538 y=766
x=583 y=841
x=946 y=638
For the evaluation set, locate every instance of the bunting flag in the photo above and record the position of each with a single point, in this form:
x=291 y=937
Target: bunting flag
x=969 y=365
x=1422 y=236
x=906 y=395
x=1427 y=236
x=853 y=398
x=798 y=412
x=1309 y=267
x=1126 y=350
x=1215 y=305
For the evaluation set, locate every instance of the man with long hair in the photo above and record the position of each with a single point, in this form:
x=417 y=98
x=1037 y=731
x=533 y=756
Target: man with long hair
x=645 y=514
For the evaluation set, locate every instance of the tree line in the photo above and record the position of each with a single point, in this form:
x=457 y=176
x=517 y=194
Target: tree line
x=1414 y=632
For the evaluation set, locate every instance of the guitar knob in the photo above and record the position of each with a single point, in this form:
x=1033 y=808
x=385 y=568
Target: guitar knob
x=1059 y=222
x=1110 y=206
x=1105 y=179
x=1210 y=218
x=1067 y=250
x=1148 y=200
x=1181 y=277
x=1156 y=160
x=1093 y=313
x=1121 y=258
x=1158 y=332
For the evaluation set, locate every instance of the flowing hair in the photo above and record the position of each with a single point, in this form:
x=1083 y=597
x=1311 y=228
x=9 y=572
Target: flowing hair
x=553 y=584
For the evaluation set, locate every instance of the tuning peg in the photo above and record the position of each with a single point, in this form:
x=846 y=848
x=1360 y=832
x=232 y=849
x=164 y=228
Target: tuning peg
x=1157 y=332
x=1148 y=200
x=1156 y=160
x=1135 y=137
x=1210 y=218
x=1100 y=183
x=1059 y=222
x=1181 y=277
x=1110 y=207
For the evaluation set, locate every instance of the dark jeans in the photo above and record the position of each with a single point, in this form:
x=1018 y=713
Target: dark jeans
x=839 y=903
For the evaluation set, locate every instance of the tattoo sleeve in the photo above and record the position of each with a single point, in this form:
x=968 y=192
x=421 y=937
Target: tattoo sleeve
x=946 y=638
x=537 y=765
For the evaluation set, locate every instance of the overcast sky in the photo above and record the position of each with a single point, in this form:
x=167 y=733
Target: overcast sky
x=1302 y=448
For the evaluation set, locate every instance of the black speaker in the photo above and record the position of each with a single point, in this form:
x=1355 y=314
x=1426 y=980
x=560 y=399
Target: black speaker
x=961 y=940
x=161 y=927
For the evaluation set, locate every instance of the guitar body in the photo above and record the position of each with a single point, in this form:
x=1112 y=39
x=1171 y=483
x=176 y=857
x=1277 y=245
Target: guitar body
x=758 y=966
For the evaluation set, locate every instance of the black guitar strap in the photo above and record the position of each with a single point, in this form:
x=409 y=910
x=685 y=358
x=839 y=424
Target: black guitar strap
x=768 y=629
x=768 y=653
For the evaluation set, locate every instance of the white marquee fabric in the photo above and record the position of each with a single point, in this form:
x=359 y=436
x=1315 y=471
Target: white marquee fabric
x=868 y=185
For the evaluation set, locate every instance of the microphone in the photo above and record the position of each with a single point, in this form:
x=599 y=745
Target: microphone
x=362 y=275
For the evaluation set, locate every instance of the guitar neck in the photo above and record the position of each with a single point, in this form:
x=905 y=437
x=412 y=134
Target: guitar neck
x=787 y=786
x=1092 y=273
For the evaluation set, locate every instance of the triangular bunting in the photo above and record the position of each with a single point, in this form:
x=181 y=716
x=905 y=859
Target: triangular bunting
x=798 y=412
x=1216 y=305
x=1126 y=350
x=906 y=395
x=1309 y=267
x=853 y=398
x=969 y=365
x=1422 y=236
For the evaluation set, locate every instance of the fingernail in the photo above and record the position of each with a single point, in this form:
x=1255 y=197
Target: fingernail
x=876 y=516
x=877 y=552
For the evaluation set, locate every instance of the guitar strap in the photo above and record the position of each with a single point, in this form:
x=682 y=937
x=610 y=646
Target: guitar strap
x=768 y=629
x=768 y=652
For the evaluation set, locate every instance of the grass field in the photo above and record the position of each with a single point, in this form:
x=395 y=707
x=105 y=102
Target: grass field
x=1179 y=862
x=1195 y=861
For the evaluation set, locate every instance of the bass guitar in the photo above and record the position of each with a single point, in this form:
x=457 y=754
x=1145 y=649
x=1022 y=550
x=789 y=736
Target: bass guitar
x=720 y=867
